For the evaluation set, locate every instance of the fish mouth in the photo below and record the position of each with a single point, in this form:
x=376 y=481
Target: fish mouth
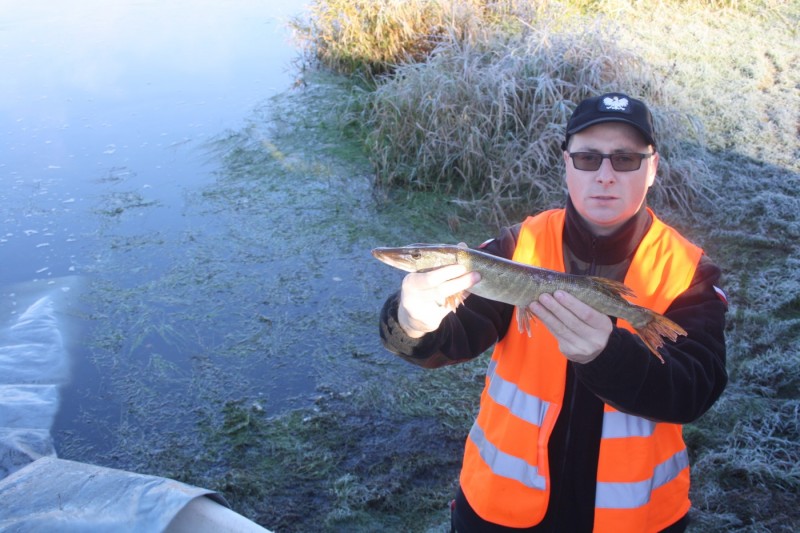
x=395 y=257
x=381 y=254
x=386 y=252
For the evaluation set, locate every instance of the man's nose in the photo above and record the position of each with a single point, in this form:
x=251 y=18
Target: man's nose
x=606 y=174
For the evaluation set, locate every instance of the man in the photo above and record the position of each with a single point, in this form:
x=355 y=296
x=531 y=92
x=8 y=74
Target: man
x=579 y=427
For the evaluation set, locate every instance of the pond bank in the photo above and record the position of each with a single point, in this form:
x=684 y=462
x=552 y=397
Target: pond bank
x=283 y=398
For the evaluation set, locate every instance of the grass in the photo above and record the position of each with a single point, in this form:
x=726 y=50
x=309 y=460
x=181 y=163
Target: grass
x=484 y=123
x=482 y=116
x=479 y=119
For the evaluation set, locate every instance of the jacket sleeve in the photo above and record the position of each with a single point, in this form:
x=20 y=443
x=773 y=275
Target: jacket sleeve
x=629 y=378
x=464 y=334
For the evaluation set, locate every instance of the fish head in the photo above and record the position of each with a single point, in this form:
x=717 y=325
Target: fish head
x=418 y=257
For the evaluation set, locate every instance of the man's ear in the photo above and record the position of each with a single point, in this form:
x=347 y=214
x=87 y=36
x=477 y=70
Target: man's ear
x=654 y=170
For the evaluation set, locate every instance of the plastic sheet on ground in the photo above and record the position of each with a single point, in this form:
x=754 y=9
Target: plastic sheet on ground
x=40 y=492
x=53 y=494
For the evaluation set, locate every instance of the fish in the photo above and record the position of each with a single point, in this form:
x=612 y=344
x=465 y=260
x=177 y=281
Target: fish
x=518 y=284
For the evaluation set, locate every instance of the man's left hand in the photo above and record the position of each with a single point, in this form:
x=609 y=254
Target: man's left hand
x=582 y=332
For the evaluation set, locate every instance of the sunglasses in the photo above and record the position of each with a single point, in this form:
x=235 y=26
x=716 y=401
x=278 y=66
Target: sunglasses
x=621 y=162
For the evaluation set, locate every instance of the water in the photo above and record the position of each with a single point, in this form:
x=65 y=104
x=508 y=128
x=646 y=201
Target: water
x=105 y=103
x=106 y=116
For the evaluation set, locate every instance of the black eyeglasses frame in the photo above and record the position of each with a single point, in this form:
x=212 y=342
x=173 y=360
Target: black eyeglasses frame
x=614 y=158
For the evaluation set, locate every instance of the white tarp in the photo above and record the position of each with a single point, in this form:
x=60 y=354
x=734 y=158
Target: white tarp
x=53 y=494
x=40 y=492
x=33 y=364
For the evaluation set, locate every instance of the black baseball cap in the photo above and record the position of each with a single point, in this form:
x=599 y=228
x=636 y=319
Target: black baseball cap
x=611 y=107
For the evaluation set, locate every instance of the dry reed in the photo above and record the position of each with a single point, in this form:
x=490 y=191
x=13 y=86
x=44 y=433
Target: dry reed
x=483 y=122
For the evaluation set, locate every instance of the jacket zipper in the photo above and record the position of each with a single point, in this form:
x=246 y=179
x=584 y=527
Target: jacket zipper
x=572 y=393
x=567 y=439
x=593 y=264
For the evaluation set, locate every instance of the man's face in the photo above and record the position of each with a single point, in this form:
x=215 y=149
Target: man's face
x=607 y=198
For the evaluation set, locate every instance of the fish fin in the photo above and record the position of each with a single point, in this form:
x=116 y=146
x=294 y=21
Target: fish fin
x=452 y=302
x=525 y=319
x=654 y=332
x=612 y=288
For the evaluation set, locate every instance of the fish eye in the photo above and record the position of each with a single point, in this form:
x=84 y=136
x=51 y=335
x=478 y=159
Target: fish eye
x=416 y=255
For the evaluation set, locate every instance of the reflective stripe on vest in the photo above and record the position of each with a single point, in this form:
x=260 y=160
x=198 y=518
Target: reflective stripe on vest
x=637 y=494
x=643 y=477
x=521 y=404
x=617 y=425
x=506 y=465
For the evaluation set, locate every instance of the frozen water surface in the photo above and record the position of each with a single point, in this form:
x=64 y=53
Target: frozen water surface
x=107 y=115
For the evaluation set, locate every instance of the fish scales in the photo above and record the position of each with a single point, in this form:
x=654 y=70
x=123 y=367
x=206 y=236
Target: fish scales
x=518 y=284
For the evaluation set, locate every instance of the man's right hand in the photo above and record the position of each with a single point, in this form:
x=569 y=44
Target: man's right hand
x=424 y=297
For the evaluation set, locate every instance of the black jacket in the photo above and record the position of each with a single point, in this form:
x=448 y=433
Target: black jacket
x=625 y=374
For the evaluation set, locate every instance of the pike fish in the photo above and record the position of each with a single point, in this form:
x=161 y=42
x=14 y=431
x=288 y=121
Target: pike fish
x=518 y=284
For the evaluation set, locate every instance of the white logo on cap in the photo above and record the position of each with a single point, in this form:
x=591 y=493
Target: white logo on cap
x=616 y=103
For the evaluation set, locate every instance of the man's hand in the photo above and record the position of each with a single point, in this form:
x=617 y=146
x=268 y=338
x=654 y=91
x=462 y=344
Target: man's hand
x=581 y=331
x=424 y=297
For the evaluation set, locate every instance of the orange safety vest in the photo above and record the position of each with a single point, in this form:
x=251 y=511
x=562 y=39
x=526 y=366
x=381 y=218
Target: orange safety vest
x=643 y=470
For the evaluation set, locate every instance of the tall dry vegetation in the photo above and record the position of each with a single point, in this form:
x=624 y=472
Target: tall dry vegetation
x=480 y=114
x=484 y=121
x=475 y=106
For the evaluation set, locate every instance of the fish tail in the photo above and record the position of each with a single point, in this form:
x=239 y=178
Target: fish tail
x=654 y=332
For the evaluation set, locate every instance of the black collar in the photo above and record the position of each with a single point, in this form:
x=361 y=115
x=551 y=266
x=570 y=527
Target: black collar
x=608 y=249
